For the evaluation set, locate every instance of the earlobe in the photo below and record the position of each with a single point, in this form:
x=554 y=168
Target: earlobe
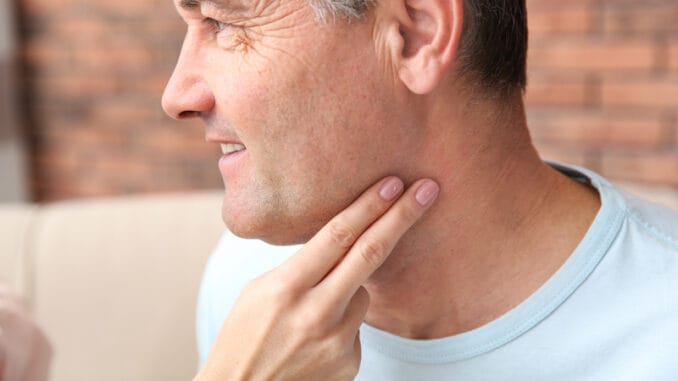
x=430 y=30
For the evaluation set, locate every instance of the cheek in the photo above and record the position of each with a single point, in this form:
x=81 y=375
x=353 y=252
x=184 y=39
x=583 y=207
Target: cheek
x=240 y=94
x=306 y=118
x=269 y=109
x=246 y=100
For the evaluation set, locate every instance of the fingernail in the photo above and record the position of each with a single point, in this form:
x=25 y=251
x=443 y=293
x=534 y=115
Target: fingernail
x=391 y=188
x=426 y=193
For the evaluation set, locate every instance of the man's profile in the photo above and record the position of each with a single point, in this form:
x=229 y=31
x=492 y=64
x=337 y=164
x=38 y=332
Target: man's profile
x=389 y=138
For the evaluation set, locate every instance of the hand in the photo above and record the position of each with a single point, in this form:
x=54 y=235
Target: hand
x=300 y=321
x=25 y=352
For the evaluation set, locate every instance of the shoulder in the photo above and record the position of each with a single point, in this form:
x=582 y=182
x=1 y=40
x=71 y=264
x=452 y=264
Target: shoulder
x=647 y=227
x=658 y=222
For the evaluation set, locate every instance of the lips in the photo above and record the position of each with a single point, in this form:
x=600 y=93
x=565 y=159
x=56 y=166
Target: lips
x=234 y=160
x=229 y=148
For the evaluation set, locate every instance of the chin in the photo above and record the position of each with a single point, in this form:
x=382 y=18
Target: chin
x=274 y=231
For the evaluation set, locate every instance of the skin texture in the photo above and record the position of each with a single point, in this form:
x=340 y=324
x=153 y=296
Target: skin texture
x=25 y=352
x=327 y=110
x=296 y=106
x=315 y=302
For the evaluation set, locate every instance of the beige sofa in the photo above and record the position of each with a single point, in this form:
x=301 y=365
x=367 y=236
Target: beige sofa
x=114 y=282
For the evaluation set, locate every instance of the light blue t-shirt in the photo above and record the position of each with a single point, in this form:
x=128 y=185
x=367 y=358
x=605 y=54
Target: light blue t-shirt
x=609 y=313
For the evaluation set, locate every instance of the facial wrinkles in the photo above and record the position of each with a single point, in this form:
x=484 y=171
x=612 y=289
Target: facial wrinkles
x=268 y=30
x=279 y=97
x=281 y=140
x=285 y=33
x=267 y=37
x=262 y=7
x=242 y=21
x=241 y=16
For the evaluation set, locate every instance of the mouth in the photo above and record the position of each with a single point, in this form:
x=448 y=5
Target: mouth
x=229 y=148
x=234 y=159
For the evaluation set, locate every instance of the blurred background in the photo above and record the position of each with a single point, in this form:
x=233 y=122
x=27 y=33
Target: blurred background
x=80 y=111
x=81 y=115
x=113 y=281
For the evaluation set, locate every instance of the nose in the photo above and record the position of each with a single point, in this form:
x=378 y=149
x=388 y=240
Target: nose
x=187 y=94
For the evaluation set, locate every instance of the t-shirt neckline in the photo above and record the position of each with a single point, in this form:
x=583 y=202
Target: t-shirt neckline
x=562 y=284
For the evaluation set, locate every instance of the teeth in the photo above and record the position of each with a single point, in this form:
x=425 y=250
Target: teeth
x=230 y=148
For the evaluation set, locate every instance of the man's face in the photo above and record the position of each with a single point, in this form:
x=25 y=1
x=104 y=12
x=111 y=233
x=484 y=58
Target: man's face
x=315 y=105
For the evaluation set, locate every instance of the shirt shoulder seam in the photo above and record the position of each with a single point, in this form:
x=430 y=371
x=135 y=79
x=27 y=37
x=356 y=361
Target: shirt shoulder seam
x=650 y=228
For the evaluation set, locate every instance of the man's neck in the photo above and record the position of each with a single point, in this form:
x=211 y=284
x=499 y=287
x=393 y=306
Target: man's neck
x=503 y=224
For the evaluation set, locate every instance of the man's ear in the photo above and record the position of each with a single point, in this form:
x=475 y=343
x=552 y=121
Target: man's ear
x=429 y=34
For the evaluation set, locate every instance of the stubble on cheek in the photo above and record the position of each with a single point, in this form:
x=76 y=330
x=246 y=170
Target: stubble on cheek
x=297 y=184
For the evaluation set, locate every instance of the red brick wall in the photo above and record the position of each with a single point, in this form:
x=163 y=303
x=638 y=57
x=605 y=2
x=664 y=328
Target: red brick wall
x=603 y=92
x=603 y=85
x=95 y=75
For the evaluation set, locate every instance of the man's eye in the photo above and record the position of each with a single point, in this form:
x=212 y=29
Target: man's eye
x=216 y=25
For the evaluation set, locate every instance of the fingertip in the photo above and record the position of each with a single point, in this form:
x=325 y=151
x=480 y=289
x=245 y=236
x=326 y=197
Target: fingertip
x=427 y=193
x=391 y=188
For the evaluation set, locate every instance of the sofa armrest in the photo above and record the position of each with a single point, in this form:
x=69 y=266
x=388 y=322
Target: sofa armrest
x=16 y=222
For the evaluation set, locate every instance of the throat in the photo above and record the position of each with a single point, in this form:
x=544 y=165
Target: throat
x=467 y=264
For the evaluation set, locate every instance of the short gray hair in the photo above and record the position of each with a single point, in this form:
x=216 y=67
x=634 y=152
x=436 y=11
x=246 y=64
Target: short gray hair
x=340 y=8
x=493 y=45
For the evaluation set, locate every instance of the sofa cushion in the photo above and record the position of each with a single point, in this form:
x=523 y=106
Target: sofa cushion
x=115 y=284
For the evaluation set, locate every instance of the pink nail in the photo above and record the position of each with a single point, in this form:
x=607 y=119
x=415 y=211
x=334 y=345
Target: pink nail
x=391 y=188
x=426 y=193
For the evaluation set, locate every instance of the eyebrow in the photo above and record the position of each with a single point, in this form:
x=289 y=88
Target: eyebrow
x=232 y=6
x=191 y=4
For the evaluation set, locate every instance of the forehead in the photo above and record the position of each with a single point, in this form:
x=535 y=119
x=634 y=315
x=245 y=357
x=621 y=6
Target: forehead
x=193 y=4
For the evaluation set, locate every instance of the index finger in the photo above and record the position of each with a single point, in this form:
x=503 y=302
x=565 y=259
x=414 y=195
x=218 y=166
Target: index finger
x=320 y=254
x=375 y=245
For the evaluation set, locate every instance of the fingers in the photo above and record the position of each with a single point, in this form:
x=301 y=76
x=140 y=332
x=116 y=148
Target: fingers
x=312 y=262
x=376 y=243
x=354 y=315
x=356 y=310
